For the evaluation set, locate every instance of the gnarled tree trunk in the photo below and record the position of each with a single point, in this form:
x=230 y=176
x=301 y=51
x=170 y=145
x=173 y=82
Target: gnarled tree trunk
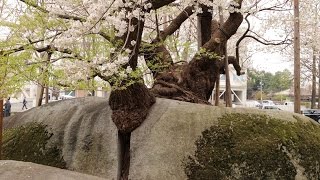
x=194 y=82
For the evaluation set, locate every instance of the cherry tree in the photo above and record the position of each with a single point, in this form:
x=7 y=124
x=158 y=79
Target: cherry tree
x=87 y=39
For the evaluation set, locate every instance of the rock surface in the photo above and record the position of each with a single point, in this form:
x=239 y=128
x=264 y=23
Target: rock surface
x=174 y=134
x=18 y=170
x=82 y=128
x=160 y=146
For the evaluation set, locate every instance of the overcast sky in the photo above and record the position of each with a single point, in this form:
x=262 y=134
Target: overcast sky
x=271 y=62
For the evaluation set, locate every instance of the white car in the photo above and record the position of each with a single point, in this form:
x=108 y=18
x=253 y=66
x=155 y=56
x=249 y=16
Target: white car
x=253 y=103
x=270 y=107
x=67 y=96
x=267 y=103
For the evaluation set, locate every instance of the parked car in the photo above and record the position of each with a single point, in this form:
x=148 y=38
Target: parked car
x=70 y=95
x=271 y=107
x=267 y=103
x=253 y=103
x=312 y=113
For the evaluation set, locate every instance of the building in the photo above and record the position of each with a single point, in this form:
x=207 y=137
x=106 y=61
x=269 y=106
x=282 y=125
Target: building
x=238 y=87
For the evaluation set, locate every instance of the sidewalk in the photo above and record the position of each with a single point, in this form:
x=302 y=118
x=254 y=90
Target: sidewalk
x=16 y=105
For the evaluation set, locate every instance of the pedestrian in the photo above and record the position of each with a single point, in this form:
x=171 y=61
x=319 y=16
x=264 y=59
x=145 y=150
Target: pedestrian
x=24 y=102
x=7 y=108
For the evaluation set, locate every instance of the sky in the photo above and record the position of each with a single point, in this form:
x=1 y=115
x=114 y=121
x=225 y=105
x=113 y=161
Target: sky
x=271 y=62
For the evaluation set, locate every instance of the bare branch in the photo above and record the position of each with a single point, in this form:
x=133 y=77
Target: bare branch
x=176 y=23
x=242 y=37
x=268 y=43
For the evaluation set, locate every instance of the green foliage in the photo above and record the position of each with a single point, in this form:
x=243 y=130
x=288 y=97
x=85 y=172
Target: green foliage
x=29 y=143
x=121 y=81
x=281 y=98
x=203 y=53
x=244 y=146
x=280 y=81
x=258 y=95
x=11 y=78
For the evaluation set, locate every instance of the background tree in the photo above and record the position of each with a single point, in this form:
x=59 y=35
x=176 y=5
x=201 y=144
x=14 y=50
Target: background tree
x=297 y=95
x=272 y=83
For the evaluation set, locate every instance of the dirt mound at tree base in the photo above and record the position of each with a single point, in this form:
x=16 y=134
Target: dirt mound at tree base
x=181 y=140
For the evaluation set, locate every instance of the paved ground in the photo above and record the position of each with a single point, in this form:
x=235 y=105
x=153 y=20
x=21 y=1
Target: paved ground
x=16 y=106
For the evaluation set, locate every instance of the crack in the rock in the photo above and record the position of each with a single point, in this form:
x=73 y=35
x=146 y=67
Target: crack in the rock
x=124 y=159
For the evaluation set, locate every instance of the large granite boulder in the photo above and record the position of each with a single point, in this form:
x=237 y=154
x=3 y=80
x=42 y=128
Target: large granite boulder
x=80 y=128
x=180 y=140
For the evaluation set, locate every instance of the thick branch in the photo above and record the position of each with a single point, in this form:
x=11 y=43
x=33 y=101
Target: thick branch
x=228 y=29
x=176 y=23
x=157 y=52
x=156 y=4
x=204 y=21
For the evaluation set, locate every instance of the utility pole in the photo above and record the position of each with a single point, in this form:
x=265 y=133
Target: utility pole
x=314 y=79
x=319 y=82
x=297 y=94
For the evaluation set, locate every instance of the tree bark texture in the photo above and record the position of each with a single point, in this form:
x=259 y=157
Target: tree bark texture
x=130 y=105
x=191 y=82
x=194 y=82
x=204 y=21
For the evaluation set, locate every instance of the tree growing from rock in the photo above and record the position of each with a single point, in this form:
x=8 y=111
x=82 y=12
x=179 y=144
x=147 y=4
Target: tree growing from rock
x=122 y=36
x=121 y=30
x=120 y=25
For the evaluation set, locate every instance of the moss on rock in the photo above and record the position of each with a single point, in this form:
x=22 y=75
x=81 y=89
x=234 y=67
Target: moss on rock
x=255 y=146
x=30 y=143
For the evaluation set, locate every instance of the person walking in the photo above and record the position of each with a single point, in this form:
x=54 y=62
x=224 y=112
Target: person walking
x=24 y=102
x=7 y=108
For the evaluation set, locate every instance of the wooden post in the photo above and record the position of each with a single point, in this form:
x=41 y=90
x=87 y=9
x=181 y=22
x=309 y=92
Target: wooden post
x=297 y=93
x=1 y=125
x=217 y=91
x=226 y=66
